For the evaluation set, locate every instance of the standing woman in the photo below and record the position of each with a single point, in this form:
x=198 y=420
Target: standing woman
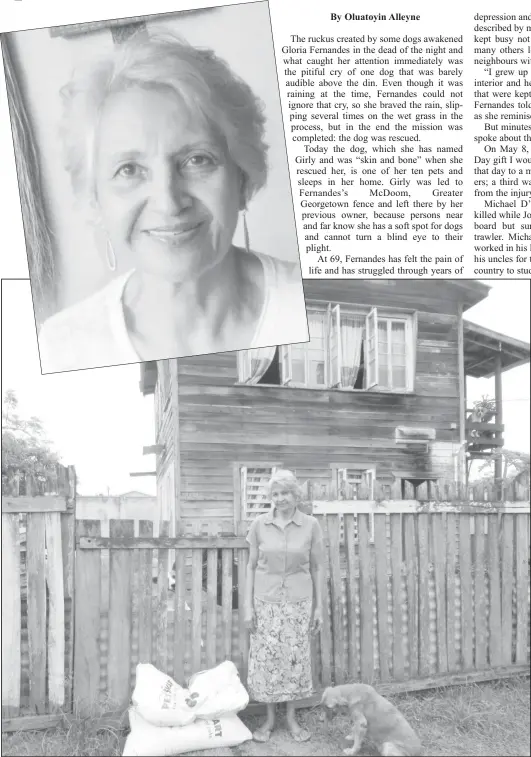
x=284 y=580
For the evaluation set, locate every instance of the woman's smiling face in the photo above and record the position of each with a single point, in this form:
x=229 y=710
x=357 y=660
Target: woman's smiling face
x=168 y=193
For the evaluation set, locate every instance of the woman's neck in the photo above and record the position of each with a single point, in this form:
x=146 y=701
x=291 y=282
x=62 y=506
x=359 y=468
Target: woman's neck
x=286 y=515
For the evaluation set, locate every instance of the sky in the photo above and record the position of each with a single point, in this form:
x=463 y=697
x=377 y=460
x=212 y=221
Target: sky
x=99 y=421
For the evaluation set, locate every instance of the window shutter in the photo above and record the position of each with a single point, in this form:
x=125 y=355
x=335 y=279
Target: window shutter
x=253 y=483
x=285 y=361
x=371 y=331
x=335 y=346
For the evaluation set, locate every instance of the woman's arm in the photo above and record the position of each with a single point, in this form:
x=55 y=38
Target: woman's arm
x=248 y=609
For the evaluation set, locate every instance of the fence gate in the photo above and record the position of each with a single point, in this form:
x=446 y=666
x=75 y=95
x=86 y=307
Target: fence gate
x=38 y=522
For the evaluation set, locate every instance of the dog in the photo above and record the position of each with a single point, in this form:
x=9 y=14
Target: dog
x=373 y=716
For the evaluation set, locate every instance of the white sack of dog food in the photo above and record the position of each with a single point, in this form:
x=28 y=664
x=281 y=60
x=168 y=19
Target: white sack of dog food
x=218 y=691
x=159 y=699
x=148 y=740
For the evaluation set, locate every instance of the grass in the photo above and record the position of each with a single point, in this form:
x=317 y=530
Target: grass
x=477 y=719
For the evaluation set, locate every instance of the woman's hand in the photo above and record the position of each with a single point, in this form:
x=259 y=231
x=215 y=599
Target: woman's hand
x=317 y=620
x=249 y=619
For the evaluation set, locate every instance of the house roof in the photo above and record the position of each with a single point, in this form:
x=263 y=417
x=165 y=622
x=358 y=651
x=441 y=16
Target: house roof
x=482 y=347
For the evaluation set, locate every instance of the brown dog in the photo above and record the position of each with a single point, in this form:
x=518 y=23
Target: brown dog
x=375 y=717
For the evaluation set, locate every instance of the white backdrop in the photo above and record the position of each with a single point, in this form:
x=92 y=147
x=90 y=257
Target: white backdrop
x=241 y=34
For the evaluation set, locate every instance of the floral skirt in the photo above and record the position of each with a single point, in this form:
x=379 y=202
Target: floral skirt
x=280 y=663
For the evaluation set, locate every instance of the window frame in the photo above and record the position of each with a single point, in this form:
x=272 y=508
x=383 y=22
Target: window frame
x=332 y=313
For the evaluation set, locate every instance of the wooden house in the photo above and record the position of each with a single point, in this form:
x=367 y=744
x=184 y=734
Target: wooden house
x=378 y=394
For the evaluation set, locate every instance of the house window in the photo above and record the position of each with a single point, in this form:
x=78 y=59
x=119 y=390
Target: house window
x=352 y=350
x=253 y=490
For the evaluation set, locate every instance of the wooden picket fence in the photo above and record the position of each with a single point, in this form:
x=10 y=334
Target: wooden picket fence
x=428 y=601
x=38 y=536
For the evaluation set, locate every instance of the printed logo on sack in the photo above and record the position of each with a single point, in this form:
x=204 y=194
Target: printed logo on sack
x=166 y=695
x=214 y=729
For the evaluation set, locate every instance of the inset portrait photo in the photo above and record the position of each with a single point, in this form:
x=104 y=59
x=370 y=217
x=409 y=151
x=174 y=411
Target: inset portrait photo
x=154 y=184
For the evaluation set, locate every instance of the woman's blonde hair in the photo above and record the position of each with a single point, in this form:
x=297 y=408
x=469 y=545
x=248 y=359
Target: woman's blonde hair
x=204 y=82
x=288 y=480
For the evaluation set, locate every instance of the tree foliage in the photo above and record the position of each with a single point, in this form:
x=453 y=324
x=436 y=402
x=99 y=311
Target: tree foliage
x=25 y=447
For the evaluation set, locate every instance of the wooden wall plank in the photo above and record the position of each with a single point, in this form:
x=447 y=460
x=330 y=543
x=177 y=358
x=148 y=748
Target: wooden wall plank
x=144 y=566
x=423 y=588
x=522 y=587
x=396 y=577
x=11 y=617
x=480 y=598
x=380 y=553
x=507 y=581
x=439 y=537
x=353 y=593
x=451 y=552
x=467 y=608
x=35 y=545
x=412 y=573
x=366 y=600
x=87 y=621
x=120 y=588
x=56 y=611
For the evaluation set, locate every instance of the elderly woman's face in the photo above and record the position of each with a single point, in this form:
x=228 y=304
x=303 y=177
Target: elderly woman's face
x=168 y=193
x=282 y=497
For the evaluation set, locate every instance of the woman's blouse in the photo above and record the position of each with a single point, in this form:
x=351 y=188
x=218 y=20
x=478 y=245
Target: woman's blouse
x=285 y=555
x=93 y=333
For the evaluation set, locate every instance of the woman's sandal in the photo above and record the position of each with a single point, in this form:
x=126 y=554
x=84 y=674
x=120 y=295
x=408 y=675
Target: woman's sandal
x=262 y=734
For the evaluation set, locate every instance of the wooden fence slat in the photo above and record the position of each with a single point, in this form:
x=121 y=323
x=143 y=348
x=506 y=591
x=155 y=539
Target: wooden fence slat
x=353 y=596
x=366 y=601
x=439 y=537
x=227 y=561
x=35 y=544
x=144 y=561
x=424 y=598
x=494 y=572
x=162 y=601
x=522 y=586
x=68 y=542
x=451 y=552
x=467 y=609
x=325 y=639
x=396 y=576
x=162 y=542
x=380 y=554
x=211 y=601
x=338 y=635
x=243 y=556
x=56 y=611
x=180 y=617
x=412 y=568
x=120 y=588
x=36 y=504
x=87 y=622
x=480 y=599
x=197 y=609
x=507 y=578
x=11 y=616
